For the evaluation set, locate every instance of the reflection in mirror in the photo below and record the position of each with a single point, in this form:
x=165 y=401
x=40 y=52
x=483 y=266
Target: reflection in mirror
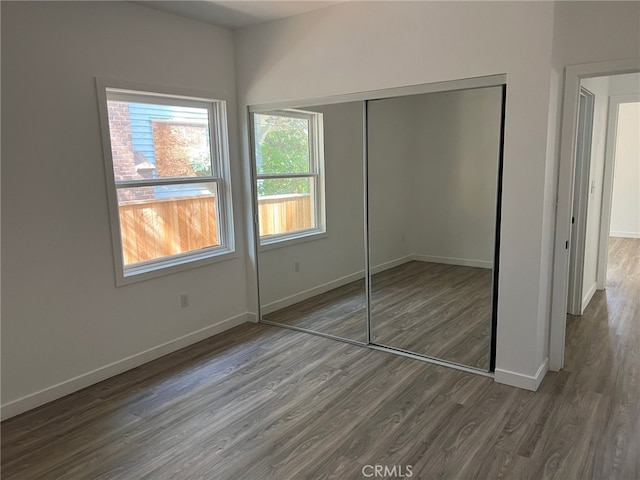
x=433 y=189
x=310 y=193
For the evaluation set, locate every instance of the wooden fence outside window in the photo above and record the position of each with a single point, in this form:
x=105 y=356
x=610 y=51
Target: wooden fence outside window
x=152 y=229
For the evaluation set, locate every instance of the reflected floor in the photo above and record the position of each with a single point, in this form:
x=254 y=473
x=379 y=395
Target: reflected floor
x=442 y=311
x=340 y=312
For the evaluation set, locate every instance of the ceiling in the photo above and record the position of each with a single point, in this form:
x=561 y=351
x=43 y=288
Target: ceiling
x=238 y=13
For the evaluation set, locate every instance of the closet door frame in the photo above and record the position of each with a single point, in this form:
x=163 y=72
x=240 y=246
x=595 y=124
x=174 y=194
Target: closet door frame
x=498 y=80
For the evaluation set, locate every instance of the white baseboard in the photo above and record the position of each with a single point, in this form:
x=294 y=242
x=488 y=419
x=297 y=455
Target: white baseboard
x=589 y=295
x=519 y=380
x=465 y=262
x=625 y=234
x=46 y=395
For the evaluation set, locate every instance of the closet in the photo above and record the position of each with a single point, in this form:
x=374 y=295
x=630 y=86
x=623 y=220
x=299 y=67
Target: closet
x=378 y=217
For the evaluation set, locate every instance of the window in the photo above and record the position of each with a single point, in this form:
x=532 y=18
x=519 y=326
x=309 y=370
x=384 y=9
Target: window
x=169 y=189
x=289 y=174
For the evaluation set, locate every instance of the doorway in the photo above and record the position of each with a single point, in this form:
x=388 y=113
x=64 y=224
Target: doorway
x=621 y=192
x=593 y=268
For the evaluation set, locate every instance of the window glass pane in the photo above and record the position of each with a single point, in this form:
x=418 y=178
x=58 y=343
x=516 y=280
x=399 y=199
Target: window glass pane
x=285 y=205
x=282 y=144
x=158 y=141
x=160 y=221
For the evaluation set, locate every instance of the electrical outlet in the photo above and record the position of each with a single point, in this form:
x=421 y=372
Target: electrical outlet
x=184 y=300
x=296 y=266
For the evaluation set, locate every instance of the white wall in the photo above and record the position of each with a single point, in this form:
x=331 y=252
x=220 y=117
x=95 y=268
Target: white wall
x=625 y=207
x=600 y=88
x=62 y=316
x=340 y=50
x=340 y=253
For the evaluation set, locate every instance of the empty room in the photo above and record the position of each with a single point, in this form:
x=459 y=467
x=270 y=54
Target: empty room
x=320 y=239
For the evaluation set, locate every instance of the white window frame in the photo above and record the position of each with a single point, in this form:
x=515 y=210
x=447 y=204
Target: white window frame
x=316 y=173
x=220 y=175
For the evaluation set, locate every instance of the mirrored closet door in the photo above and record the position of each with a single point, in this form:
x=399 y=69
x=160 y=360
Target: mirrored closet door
x=309 y=185
x=378 y=218
x=433 y=162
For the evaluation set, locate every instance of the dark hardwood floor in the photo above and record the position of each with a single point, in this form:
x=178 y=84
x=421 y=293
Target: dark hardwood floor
x=261 y=402
x=433 y=309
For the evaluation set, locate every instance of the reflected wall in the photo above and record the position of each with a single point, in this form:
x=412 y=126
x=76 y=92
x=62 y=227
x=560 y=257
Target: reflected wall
x=433 y=188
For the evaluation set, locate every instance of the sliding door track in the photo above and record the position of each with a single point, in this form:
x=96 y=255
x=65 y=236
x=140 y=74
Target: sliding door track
x=383 y=348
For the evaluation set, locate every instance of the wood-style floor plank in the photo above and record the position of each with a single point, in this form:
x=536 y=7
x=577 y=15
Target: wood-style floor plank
x=261 y=402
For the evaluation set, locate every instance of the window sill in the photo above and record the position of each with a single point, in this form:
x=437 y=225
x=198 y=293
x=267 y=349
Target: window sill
x=148 y=272
x=287 y=242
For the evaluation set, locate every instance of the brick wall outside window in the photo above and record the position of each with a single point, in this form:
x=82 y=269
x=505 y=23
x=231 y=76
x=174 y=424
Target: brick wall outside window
x=124 y=165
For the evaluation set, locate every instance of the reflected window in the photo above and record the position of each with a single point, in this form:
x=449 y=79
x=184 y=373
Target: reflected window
x=289 y=173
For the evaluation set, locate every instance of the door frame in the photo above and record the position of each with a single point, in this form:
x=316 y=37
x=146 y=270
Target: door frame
x=584 y=135
x=566 y=175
